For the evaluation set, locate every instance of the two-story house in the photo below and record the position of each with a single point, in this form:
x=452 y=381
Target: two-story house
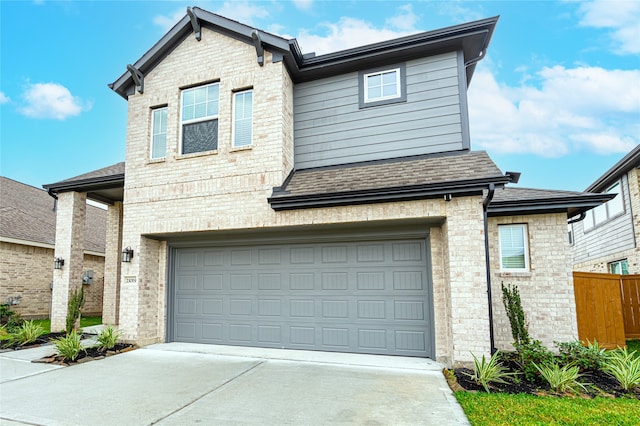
x=278 y=199
x=605 y=239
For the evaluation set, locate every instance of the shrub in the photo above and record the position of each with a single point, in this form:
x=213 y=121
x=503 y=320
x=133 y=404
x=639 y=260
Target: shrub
x=76 y=302
x=9 y=318
x=485 y=373
x=533 y=353
x=27 y=333
x=69 y=346
x=561 y=379
x=624 y=366
x=515 y=313
x=590 y=357
x=108 y=338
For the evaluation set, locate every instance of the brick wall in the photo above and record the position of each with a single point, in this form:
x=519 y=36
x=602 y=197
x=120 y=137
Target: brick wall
x=546 y=291
x=27 y=271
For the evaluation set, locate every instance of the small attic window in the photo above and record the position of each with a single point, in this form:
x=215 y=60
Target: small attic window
x=382 y=86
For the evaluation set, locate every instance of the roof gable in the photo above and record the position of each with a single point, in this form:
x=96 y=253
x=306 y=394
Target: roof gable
x=471 y=38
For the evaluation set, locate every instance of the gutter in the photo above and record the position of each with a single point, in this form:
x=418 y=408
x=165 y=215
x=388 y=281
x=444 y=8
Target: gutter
x=578 y=219
x=55 y=198
x=485 y=206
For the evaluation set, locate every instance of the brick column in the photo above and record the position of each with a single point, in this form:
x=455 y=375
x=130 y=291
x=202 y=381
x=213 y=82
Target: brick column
x=465 y=261
x=70 y=223
x=112 y=265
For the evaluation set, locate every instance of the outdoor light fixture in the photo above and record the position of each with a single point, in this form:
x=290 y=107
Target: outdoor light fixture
x=127 y=254
x=58 y=262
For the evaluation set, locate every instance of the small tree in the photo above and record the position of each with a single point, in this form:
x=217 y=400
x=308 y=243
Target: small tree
x=74 y=309
x=513 y=306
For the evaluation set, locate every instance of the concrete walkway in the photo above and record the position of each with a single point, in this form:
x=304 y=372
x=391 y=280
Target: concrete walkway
x=182 y=384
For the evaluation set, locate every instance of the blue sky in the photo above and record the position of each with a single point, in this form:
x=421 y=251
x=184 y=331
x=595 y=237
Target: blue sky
x=557 y=96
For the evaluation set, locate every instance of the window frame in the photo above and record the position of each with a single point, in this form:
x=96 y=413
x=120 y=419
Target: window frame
x=234 y=118
x=592 y=221
x=184 y=122
x=525 y=238
x=620 y=263
x=401 y=84
x=152 y=141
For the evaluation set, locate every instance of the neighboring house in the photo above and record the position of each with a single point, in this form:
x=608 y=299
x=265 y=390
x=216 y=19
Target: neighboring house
x=279 y=199
x=27 y=239
x=606 y=239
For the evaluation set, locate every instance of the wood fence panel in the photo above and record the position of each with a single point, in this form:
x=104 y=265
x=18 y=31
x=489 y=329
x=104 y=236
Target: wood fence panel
x=599 y=308
x=630 y=287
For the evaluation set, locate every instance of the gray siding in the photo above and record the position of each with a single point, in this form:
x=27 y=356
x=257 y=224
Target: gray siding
x=330 y=128
x=608 y=238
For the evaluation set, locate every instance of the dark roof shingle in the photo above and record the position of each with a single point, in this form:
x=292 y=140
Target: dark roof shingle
x=26 y=213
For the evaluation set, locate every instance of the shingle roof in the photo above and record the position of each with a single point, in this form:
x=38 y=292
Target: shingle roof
x=628 y=162
x=26 y=213
x=405 y=178
x=511 y=200
x=109 y=171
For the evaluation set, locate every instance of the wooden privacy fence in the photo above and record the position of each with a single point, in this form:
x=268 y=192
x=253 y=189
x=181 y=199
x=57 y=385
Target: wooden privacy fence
x=607 y=307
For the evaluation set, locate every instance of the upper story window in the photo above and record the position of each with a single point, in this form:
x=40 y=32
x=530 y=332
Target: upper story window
x=606 y=211
x=514 y=247
x=382 y=86
x=200 y=118
x=243 y=118
x=158 y=132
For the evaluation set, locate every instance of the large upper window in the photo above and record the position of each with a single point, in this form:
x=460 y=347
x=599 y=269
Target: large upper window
x=382 y=86
x=200 y=118
x=606 y=211
x=159 y=133
x=514 y=247
x=242 y=118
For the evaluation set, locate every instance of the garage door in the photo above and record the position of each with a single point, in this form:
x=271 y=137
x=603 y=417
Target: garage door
x=362 y=297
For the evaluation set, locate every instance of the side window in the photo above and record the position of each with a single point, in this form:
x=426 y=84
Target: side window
x=615 y=206
x=158 y=132
x=199 y=118
x=620 y=267
x=514 y=247
x=382 y=86
x=606 y=211
x=243 y=118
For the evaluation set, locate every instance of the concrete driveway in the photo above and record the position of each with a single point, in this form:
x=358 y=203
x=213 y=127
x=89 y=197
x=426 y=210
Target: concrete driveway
x=184 y=384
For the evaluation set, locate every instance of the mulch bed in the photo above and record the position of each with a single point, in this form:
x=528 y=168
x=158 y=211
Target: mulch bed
x=597 y=383
x=89 y=354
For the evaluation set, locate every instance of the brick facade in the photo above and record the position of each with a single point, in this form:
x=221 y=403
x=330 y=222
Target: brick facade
x=27 y=271
x=546 y=291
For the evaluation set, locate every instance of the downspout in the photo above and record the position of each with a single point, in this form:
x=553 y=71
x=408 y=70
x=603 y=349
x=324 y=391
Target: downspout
x=485 y=206
x=578 y=219
x=55 y=198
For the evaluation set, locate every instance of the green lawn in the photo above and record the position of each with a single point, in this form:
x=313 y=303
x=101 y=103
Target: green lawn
x=502 y=409
x=84 y=322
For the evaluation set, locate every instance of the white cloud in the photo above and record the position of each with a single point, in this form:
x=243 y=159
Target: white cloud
x=303 y=4
x=621 y=17
x=4 y=98
x=240 y=11
x=405 y=20
x=351 y=32
x=51 y=100
x=568 y=110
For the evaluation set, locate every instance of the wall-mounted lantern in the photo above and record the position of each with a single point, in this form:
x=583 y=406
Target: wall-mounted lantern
x=127 y=254
x=58 y=262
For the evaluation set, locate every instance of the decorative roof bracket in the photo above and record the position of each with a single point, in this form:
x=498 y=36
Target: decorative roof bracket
x=195 y=24
x=257 y=42
x=138 y=78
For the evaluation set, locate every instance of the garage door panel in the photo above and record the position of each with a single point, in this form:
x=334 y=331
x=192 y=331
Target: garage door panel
x=367 y=297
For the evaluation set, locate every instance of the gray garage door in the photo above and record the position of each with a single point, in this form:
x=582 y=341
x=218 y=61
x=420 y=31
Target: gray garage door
x=362 y=297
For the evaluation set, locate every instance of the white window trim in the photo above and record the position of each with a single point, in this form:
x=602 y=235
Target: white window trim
x=382 y=98
x=233 y=120
x=197 y=120
x=153 y=114
x=525 y=232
